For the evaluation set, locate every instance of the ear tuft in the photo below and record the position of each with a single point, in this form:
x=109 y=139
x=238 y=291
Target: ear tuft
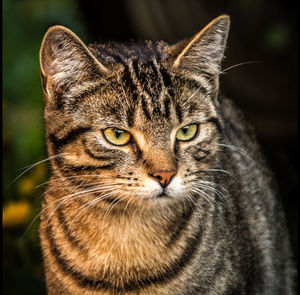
x=66 y=61
x=204 y=52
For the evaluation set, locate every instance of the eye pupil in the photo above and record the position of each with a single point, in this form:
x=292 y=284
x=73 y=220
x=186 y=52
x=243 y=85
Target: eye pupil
x=185 y=129
x=117 y=133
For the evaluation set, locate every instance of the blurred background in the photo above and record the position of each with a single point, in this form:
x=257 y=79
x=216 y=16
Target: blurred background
x=261 y=30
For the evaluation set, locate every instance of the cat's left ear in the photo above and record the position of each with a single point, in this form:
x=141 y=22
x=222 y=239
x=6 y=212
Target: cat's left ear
x=204 y=52
x=65 y=61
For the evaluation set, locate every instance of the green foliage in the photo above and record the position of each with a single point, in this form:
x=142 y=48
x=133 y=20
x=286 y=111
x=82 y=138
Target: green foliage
x=277 y=36
x=24 y=24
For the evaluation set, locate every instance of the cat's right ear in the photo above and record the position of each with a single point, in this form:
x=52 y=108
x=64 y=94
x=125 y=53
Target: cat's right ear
x=203 y=52
x=66 y=61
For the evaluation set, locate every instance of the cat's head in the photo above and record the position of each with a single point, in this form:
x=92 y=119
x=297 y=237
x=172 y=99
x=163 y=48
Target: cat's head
x=136 y=121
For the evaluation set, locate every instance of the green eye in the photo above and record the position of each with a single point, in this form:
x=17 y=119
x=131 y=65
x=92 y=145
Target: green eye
x=116 y=136
x=187 y=132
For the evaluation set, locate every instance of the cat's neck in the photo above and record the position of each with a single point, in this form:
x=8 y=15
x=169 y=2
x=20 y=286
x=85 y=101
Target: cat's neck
x=138 y=237
x=124 y=246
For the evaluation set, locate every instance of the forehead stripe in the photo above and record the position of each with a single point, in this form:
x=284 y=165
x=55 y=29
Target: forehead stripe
x=166 y=80
x=167 y=107
x=178 y=112
x=144 y=108
x=78 y=97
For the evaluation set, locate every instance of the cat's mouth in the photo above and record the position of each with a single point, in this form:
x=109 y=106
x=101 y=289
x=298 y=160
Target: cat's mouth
x=162 y=195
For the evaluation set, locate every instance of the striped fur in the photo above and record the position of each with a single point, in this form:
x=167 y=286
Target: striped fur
x=107 y=225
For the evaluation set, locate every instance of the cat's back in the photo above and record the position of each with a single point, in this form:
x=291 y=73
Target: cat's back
x=258 y=199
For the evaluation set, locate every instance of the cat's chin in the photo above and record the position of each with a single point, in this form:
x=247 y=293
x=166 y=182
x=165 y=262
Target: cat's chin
x=162 y=195
x=156 y=197
x=160 y=198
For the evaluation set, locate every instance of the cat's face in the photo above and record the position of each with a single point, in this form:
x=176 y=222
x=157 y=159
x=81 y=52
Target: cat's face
x=133 y=123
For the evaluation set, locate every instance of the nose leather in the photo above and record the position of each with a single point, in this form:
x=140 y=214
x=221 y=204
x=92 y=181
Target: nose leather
x=164 y=177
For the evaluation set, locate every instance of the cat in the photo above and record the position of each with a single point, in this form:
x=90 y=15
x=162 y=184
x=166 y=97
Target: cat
x=157 y=183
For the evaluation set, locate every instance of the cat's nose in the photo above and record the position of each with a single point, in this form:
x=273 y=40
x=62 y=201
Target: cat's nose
x=164 y=177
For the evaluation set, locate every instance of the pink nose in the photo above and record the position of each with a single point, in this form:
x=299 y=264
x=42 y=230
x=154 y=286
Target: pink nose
x=164 y=177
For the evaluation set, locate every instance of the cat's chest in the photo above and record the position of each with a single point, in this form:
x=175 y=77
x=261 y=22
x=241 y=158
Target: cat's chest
x=123 y=245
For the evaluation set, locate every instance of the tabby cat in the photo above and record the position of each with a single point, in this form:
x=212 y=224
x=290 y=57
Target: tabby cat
x=157 y=183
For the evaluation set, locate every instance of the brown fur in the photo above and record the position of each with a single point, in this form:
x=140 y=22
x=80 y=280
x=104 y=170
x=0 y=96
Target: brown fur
x=109 y=225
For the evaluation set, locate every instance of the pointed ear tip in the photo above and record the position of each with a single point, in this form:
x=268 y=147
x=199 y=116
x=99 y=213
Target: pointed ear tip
x=227 y=16
x=224 y=17
x=56 y=29
x=51 y=34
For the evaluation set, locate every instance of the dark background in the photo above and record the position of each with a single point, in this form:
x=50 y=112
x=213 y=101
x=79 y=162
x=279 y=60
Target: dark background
x=261 y=30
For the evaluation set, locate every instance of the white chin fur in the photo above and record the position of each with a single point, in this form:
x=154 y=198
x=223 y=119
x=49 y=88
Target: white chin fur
x=175 y=187
x=152 y=188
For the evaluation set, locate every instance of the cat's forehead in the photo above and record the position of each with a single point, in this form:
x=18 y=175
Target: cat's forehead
x=144 y=96
x=145 y=105
x=141 y=90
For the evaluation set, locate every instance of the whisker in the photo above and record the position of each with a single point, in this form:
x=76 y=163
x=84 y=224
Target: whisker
x=35 y=164
x=63 y=183
x=194 y=201
x=133 y=196
x=213 y=184
x=191 y=96
x=223 y=171
x=118 y=200
x=212 y=189
x=240 y=64
x=204 y=195
x=190 y=200
x=130 y=194
x=89 y=204
x=61 y=200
